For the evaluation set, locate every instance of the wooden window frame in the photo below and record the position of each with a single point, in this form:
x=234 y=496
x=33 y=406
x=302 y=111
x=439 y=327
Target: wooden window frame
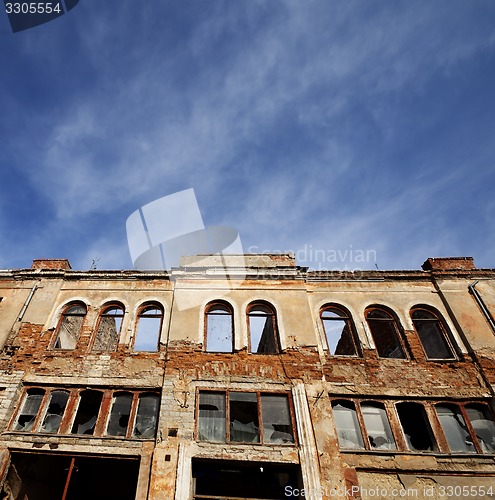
x=63 y=315
x=141 y=310
x=273 y=315
x=207 y=309
x=347 y=317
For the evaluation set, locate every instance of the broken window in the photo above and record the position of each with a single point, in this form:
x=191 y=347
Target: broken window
x=377 y=426
x=29 y=412
x=252 y=417
x=219 y=328
x=55 y=411
x=416 y=427
x=148 y=328
x=70 y=326
x=386 y=333
x=339 y=331
x=87 y=412
x=483 y=426
x=263 y=333
x=147 y=416
x=120 y=414
x=347 y=424
x=108 y=333
x=433 y=334
x=455 y=429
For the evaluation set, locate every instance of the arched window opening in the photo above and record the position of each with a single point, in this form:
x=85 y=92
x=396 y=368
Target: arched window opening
x=69 y=327
x=109 y=325
x=148 y=328
x=219 y=328
x=263 y=334
x=339 y=332
x=386 y=333
x=433 y=334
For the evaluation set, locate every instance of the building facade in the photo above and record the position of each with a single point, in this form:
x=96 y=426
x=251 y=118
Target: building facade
x=247 y=377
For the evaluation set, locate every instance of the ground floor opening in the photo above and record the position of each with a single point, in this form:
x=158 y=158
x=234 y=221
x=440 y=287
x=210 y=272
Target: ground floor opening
x=221 y=479
x=43 y=476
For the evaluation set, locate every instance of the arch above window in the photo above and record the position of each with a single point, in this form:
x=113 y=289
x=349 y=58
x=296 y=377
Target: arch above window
x=109 y=325
x=433 y=333
x=219 y=327
x=339 y=331
x=263 y=332
x=386 y=332
x=149 y=327
x=69 y=326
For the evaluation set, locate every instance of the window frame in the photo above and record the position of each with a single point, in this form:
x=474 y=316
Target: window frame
x=273 y=315
x=347 y=317
x=208 y=312
x=397 y=330
x=140 y=314
x=71 y=410
x=62 y=316
x=101 y=315
x=442 y=327
x=259 y=394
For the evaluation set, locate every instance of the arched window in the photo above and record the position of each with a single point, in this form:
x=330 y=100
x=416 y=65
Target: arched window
x=69 y=326
x=148 y=329
x=339 y=331
x=263 y=334
x=109 y=325
x=386 y=333
x=219 y=327
x=432 y=332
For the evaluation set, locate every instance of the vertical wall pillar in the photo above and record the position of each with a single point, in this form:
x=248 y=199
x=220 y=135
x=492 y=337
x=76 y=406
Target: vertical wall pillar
x=184 y=474
x=308 y=455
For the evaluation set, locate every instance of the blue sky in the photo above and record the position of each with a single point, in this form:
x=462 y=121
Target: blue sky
x=308 y=125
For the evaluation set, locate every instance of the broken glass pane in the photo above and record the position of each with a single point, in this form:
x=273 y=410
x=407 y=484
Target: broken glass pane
x=120 y=413
x=108 y=333
x=148 y=329
x=347 y=424
x=244 y=424
x=377 y=426
x=55 y=411
x=385 y=335
x=263 y=336
x=147 y=416
x=431 y=335
x=211 y=424
x=277 y=424
x=219 y=329
x=416 y=427
x=87 y=412
x=483 y=425
x=70 y=327
x=455 y=429
x=30 y=408
x=338 y=331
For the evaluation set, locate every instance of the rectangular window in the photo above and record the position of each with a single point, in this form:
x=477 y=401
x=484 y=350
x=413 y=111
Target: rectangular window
x=244 y=417
x=132 y=414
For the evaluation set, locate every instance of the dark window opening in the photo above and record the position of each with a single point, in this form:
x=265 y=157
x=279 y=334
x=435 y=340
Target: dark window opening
x=50 y=477
x=219 y=328
x=244 y=424
x=433 y=334
x=148 y=329
x=385 y=332
x=70 y=327
x=107 y=336
x=87 y=412
x=263 y=333
x=30 y=407
x=339 y=332
x=220 y=479
x=416 y=427
x=120 y=414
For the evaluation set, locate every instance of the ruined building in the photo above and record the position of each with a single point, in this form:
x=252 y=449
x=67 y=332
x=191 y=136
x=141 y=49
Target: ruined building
x=247 y=377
